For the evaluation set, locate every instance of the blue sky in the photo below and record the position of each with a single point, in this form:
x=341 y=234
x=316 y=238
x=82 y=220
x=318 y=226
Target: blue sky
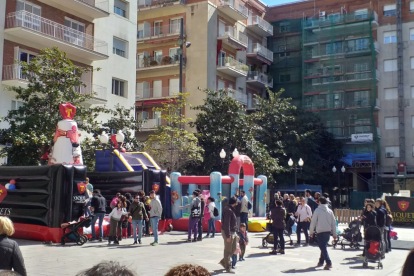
x=277 y=2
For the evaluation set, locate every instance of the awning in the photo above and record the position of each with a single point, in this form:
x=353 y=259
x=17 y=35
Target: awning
x=153 y=102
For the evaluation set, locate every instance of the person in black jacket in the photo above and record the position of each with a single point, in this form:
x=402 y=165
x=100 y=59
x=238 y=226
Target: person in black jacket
x=98 y=202
x=277 y=216
x=237 y=210
x=381 y=217
x=200 y=221
x=10 y=255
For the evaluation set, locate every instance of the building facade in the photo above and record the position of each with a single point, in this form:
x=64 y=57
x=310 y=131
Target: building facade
x=93 y=33
x=355 y=69
x=228 y=51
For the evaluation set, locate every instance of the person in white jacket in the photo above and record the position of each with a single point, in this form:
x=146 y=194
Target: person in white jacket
x=304 y=214
x=209 y=216
x=155 y=215
x=115 y=222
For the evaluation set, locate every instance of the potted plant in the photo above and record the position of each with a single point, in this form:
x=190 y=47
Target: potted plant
x=153 y=63
x=227 y=61
x=245 y=68
x=257 y=71
x=146 y=61
x=166 y=60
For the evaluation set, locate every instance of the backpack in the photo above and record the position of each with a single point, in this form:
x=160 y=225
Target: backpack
x=249 y=205
x=196 y=211
x=215 y=212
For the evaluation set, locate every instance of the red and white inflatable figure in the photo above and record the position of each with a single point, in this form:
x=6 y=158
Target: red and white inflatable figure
x=66 y=148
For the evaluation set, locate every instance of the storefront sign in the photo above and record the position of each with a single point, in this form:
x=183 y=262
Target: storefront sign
x=5 y=211
x=402 y=209
x=362 y=138
x=406 y=193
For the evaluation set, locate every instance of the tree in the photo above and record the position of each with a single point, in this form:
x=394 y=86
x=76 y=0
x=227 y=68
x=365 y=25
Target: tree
x=288 y=132
x=52 y=80
x=172 y=146
x=222 y=123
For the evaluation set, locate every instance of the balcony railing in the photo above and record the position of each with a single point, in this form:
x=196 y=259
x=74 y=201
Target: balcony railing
x=159 y=31
x=266 y=26
x=13 y=72
x=234 y=34
x=263 y=78
x=234 y=64
x=235 y=5
x=154 y=3
x=239 y=96
x=286 y=47
x=148 y=93
x=158 y=61
x=261 y=50
x=151 y=123
x=102 y=5
x=57 y=31
x=340 y=19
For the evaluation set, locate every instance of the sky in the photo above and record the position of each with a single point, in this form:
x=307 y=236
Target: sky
x=277 y=2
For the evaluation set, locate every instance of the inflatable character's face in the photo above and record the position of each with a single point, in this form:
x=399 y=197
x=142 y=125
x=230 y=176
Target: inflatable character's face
x=67 y=110
x=175 y=195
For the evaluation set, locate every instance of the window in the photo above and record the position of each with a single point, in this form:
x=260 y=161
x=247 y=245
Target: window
x=335 y=17
x=140 y=33
x=392 y=151
x=390 y=37
x=157 y=89
x=284 y=27
x=390 y=65
x=392 y=93
x=284 y=78
x=26 y=57
x=361 y=44
x=412 y=62
x=391 y=122
x=358 y=98
x=411 y=34
x=358 y=67
x=158 y=28
x=120 y=8
x=361 y=14
x=118 y=87
x=412 y=6
x=333 y=48
x=26 y=20
x=145 y=115
x=119 y=47
x=174 y=86
x=175 y=25
x=75 y=37
x=220 y=85
x=412 y=121
x=390 y=10
x=16 y=105
x=412 y=92
x=174 y=53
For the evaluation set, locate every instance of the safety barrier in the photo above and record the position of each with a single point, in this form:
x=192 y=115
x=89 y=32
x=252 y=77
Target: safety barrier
x=346 y=215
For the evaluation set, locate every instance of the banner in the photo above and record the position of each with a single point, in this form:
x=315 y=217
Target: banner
x=402 y=209
x=362 y=138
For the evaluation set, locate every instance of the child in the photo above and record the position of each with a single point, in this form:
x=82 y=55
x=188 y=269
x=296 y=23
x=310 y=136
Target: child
x=244 y=240
x=116 y=223
x=234 y=257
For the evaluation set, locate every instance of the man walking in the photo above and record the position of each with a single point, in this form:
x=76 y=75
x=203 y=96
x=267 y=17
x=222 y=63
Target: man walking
x=98 y=203
x=137 y=212
x=310 y=201
x=200 y=221
x=286 y=201
x=228 y=232
x=155 y=214
x=244 y=209
x=323 y=221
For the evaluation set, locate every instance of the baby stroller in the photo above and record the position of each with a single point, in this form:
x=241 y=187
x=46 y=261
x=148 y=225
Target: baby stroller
x=269 y=239
x=74 y=232
x=373 y=246
x=352 y=236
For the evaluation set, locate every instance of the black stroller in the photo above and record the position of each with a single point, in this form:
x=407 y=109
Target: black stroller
x=269 y=239
x=352 y=236
x=71 y=231
x=373 y=247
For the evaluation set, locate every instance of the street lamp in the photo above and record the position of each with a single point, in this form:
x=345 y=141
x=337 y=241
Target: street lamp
x=223 y=156
x=334 y=170
x=296 y=168
x=106 y=142
x=235 y=153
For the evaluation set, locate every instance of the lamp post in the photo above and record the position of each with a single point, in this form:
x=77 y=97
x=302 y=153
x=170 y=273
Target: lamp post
x=223 y=156
x=339 y=183
x=106 y=142
x=296 y=168
x=181 y=42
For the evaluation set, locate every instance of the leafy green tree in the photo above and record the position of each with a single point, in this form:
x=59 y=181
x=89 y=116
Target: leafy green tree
x=222 y=123
x=172 y=146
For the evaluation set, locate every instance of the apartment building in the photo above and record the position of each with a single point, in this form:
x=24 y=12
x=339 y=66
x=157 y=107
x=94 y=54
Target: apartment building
x=350 y=61
x=228 y=51
x=94 y=33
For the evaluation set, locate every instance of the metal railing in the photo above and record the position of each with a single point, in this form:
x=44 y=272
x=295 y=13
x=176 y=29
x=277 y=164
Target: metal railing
x=99 y=91
x=235 y=5
x=232 y=33
x=159 y=31
x=261 y=50
x=47 y=27
x=158 y=61
x=241 y=97
x=257 y=20
x=102 y=5
x=340 y=19
x=147 y=93
x=153 y=3
x=231 y=62
x=151 y=123
x=263 y=78
x=13 y=72
x=286 y=47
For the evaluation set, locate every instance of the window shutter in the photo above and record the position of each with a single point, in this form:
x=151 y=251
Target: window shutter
x=390 y=7
x=412 y=6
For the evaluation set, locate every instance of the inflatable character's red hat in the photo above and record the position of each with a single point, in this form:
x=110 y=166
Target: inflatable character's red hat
x=67 y=110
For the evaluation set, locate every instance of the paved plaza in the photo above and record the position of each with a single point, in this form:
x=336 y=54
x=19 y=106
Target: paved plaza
x=147 y=260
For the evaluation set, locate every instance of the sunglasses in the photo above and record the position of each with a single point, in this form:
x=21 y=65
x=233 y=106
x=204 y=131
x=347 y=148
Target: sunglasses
x=137 y=198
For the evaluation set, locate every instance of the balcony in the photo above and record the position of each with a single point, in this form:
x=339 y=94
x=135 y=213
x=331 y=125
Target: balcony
x=151 y=124
x=259 y=79
x=232 y=38
x=13 y=76
x=35 y=31
x=239 y=96
x=232 y=67
x=159 y=63
x=159 y=34
x=85 y=9
x=260 y=26
x=156 y=93
x=150 y=5
x=261 y=53
x=233 y=9
x=342 y=19
x=97 y=92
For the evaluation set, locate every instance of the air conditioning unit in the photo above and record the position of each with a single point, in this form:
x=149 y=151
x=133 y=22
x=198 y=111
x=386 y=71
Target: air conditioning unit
x=389 y=154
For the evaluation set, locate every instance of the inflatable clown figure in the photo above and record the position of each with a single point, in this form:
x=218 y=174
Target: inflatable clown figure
x=66 y=148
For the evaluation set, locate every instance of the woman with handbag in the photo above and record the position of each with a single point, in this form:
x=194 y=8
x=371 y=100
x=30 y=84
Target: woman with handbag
x=304 y=215
x=195 y=214
x=117 y=216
